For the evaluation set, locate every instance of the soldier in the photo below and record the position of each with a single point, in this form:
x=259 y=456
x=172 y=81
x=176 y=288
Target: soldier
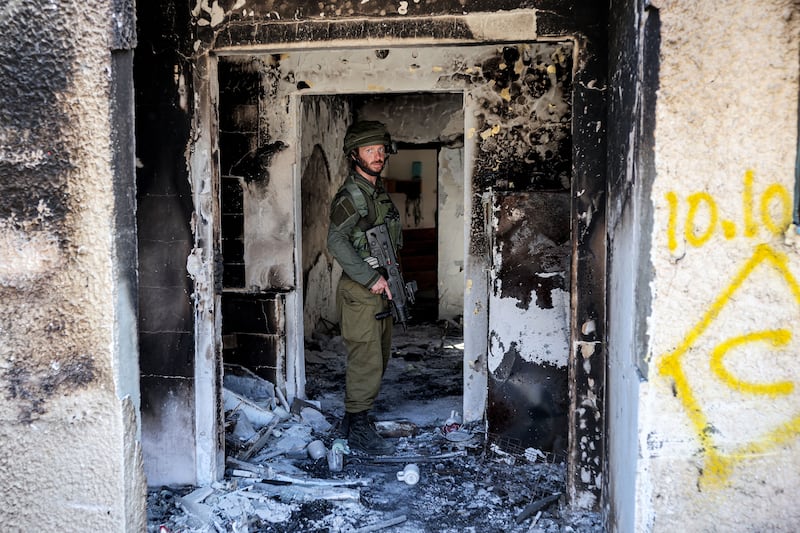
x=363 y=291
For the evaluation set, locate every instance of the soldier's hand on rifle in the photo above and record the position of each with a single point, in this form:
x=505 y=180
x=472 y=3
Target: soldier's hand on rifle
x=372 y=261
x=381 y=287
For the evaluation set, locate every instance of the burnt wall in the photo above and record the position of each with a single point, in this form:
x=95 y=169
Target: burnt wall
x=528 y=392
x=253 y=333
x=239 y=87
x=633 y=57
x=323 y=122
x=163 y=81
x=587 y=364
x=255 y=23
x=68 y=371
x=506 y=158
x=532 y=149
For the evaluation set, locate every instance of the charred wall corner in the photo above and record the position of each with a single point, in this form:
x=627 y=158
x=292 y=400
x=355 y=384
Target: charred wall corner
x=67 y=266
x=634 y=43
x=588 y=360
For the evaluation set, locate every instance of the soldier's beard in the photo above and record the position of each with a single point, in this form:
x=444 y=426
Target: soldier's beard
x=365 y=167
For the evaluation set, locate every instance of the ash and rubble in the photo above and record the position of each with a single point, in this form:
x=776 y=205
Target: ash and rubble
x=469 y=481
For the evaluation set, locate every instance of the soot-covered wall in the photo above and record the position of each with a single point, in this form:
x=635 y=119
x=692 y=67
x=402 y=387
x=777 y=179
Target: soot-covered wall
x=68 y=372
x=163 y=81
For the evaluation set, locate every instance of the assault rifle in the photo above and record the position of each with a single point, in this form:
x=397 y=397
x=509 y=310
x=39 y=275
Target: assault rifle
x=380 y=247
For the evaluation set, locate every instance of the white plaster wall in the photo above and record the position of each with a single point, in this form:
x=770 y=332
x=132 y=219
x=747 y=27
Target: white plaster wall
x=719 y=438
x=450 y=275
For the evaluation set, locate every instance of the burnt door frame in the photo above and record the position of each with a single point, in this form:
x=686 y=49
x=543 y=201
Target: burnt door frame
x=587 y=393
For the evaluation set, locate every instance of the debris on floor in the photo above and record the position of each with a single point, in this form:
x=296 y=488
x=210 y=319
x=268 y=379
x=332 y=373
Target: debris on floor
x=446 y=476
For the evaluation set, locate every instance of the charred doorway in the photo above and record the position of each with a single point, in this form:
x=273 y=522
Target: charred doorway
x=426 y=182
x=281 y=159
x=507 y=79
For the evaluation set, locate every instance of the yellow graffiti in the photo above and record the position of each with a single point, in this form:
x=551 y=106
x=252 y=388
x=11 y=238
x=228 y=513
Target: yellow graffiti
x=776 y=338
x=728 y=229
x=779 y=193
x=694 y=203
x=672 y=241
x=775 y=198
x=750 y=227
x=718 y=465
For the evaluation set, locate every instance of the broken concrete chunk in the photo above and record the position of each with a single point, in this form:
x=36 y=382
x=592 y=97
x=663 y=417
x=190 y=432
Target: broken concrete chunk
x=233 y=506
x=198 y=495
x=299 y=493
x=315 y=419
x=243 y=430
x=247 y=384
x=257 y=414
x=200 y=512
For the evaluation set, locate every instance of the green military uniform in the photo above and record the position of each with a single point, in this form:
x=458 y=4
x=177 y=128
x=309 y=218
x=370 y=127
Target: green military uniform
x=357 y=207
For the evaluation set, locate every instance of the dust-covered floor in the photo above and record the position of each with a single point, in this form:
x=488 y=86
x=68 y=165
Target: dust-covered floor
x=469 y=481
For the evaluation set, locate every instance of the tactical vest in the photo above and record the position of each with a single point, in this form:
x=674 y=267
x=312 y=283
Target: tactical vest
x=381 y=210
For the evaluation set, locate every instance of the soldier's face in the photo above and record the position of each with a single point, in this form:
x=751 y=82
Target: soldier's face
x=373 y=157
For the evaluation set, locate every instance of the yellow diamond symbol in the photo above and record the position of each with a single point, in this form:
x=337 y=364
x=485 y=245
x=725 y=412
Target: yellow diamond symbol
x=736 y=369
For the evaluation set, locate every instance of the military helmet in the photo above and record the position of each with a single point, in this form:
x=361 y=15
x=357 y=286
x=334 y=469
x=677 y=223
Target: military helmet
x=367 y=133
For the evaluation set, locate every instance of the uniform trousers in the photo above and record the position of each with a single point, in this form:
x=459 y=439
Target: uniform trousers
x=368 y=341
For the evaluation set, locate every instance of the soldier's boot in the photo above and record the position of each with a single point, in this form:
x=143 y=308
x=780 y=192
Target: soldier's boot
x=363 y=436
